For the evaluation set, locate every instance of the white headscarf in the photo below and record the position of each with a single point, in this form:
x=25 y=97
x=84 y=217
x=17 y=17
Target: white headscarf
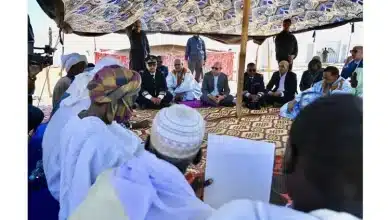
x=71 y=59
x=143 y=188
x=78 y=89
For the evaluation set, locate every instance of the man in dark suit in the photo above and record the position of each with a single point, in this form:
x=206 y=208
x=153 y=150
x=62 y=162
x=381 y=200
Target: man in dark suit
x=286 y=45
x=154 y=92
x=215 y=88
x=282 y=86
x=254 y=89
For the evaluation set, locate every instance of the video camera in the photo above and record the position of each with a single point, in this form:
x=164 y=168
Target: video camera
x=44 y=59
x=39 y=60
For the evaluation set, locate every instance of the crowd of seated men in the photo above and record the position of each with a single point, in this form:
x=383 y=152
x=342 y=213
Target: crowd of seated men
x=90 y=161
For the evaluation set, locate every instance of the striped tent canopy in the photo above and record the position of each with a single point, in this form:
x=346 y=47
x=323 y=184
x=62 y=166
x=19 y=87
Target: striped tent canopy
x=213 y=18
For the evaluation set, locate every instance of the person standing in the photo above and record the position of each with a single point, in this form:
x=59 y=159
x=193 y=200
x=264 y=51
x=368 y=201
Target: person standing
x=196 y=56
x=286 y=45
x=139 y=46
x=325 y=55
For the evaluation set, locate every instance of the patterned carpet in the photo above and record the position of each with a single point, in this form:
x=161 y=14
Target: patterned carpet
x=264 y=124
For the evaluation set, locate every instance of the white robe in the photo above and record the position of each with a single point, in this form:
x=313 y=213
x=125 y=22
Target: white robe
x=51 y=144
x=88 y=147
x=189 y=86
x=143 y=188
x=77 y=101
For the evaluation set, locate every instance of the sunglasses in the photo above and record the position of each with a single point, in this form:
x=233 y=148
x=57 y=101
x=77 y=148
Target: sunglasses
x=353 y=51
x=215 y=68
x=152 y=64
x=251 y=70
x=177 y=64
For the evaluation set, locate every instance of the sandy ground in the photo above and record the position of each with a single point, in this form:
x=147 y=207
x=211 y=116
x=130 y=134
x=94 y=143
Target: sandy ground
x=44 y=88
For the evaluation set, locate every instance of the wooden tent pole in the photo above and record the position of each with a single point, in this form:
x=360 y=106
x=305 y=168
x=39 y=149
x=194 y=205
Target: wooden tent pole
x=241 y=62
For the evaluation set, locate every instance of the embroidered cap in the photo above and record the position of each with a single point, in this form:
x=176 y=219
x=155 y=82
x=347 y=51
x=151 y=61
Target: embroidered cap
x=177 y=132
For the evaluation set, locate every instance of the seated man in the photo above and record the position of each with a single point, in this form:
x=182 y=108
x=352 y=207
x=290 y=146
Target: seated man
x=354 y=63
x=77 y=101
x=332 y=83
x=154 y=92
x=74 y=64
x=152 y=185
x=254 y=89
x=89 y=142
x=182 y=84
x=215 y=88
x=312 y=75
x=282 y=86
x=160 y=67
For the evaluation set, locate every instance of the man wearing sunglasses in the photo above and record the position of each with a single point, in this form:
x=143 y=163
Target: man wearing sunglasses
x=154 y=92
x=160 y=67
x=356 y=62
x=254 y=89
x=215 y=88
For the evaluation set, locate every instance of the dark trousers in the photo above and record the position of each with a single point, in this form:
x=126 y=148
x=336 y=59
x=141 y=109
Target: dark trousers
x=35 y=117
x=148 y=104
x=137 y=60
x=272 y=100
x=228 y=101
x=196 y=65
x=254 y=105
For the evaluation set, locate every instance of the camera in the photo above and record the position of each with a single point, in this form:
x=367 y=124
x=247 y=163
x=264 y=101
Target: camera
x=42 y=60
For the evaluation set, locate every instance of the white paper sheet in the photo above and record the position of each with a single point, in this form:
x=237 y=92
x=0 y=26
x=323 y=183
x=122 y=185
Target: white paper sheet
x=240 y=168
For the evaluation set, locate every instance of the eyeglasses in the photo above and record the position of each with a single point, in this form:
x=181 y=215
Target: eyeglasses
x=152 y=64
x=215 y=68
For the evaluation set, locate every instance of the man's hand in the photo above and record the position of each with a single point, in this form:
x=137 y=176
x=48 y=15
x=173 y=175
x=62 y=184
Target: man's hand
x=277 y=93
x=158 y=101
x=290 y=106
x=142 y=124
x=271 y=93
x=254 y=98
x=213 y=98
x=291 y=58
x=155 y=101
x=220 y=98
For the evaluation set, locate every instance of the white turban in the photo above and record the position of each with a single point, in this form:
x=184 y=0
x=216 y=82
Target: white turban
x=177 y=132
x=71 y=59
x=78 y=89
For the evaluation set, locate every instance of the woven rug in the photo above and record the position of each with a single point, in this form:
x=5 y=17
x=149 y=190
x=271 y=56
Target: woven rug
x=264 y=124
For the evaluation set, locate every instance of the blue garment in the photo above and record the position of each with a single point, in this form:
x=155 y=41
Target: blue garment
x=350 y=68
x=196 y=49
x=164 y=70
x=215 y=91
x=310 y=95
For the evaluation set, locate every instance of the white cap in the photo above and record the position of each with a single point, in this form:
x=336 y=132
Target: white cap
x=177 y=132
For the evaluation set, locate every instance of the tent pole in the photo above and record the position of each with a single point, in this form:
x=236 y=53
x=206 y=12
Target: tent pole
x=241 y=62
